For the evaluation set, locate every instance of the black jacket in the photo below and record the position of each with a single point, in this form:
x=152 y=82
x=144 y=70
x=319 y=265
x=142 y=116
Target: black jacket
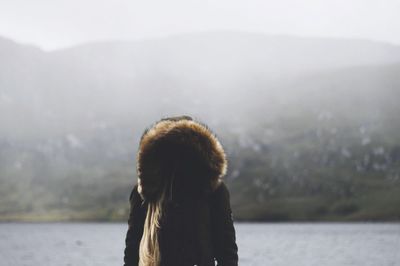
x=191 y=234
x=196 y=223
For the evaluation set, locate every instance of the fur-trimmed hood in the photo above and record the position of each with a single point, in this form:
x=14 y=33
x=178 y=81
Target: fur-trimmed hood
x=181 y=155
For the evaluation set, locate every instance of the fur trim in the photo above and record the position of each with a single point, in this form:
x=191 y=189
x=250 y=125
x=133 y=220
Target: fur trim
x=181 y=148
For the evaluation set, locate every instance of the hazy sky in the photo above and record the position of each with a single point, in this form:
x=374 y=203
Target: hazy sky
x=53 y=24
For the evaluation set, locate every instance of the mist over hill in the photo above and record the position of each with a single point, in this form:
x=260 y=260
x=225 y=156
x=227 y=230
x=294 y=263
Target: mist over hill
x=310 y=125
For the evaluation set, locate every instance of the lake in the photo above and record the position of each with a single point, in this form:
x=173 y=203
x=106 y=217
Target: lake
x=286 y=244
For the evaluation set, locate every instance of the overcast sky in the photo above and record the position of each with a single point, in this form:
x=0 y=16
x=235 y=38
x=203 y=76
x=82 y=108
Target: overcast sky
x=53 y=24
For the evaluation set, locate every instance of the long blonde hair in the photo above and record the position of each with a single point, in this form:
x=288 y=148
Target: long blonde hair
x=149 y=249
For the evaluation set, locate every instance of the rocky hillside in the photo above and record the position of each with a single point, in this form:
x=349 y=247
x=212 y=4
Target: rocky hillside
x=310 y=125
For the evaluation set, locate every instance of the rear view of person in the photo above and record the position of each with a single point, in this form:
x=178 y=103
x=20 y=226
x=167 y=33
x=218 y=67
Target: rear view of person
x=180 y=211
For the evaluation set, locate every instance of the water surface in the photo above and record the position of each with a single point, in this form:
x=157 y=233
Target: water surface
x=102 y=244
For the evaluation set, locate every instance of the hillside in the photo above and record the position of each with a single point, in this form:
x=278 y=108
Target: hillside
x=310 y=125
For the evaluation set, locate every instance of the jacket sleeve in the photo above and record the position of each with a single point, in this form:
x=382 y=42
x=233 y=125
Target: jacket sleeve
x=224 y=236
x=135 y=229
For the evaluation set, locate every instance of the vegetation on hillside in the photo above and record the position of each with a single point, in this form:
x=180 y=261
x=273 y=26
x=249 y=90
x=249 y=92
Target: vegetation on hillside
x=311 y=137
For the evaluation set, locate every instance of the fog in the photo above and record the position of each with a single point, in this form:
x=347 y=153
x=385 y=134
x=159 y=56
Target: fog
x=53 y=24
x=307 y=111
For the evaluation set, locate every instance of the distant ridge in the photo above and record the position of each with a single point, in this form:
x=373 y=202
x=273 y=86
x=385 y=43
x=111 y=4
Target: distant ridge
x=310 y=125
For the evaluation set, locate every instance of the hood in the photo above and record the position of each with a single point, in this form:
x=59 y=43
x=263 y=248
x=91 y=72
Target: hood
x=181 y=155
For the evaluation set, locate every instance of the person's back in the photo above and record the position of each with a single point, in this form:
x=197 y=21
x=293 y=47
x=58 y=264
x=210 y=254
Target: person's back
x=180 y=210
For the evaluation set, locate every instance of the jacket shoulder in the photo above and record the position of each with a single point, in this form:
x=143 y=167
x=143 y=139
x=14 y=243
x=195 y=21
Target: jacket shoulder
x=135 y=196
x=221 y=190
x=220 y=197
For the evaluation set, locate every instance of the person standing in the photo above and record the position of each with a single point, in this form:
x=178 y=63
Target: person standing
x=180 y=211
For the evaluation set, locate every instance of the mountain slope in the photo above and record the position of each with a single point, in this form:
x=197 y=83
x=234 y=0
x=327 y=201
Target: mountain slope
x=310 y=125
